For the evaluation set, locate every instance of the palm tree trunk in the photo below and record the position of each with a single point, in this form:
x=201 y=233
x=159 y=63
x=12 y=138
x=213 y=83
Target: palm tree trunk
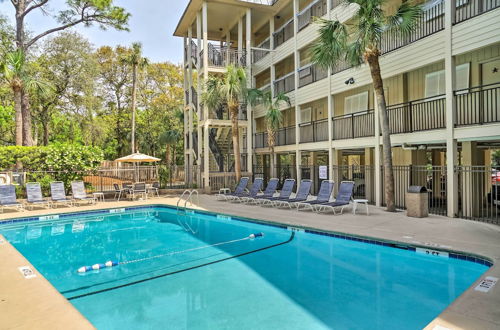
x=19 y=116
x=134 y=100
x=373 y=61
x=26 y=113
x=271 y=141
x=233 y=110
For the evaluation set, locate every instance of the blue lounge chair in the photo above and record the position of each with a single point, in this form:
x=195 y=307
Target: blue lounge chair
x=34 y=195
x=285 y=193
x=240 y=188
x=253 y=192
x=58 y=194
x=79 y=194
x=302 y=195
x=324 y=194
x=8 y=198
x=343 y=198
x=272 y=185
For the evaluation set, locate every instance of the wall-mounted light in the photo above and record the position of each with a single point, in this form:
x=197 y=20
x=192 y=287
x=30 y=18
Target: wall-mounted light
x=349 y=81
x=278 y=16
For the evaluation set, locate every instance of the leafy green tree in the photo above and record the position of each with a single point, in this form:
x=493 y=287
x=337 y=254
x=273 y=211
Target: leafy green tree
x=87 y=12
x=136 y=61
x=170 y=138
x=360 y=41
x=228 y=89
x=273 y=116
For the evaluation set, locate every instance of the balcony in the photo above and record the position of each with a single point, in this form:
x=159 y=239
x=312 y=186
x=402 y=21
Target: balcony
x=311 y=73
x=315 y=131
x=224 y=56
x=284 y=84
x=419 y=115
x=315 y=9
x=260 y=140
x=284 y=33
x=472 y=8
x=285 y=136
x=222 y=113
x=478 y=105
x=432 y=21
x=354 y=125
x=258 y=54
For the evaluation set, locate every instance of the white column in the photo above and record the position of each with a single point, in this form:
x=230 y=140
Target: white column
x=240 y=35
x=451 y=142
x=297 y=106
x=248 y=48
x=190 y=95
x=199 y=87
x=206 y=150
x=186 y=126
x=330 y=110
x=378 y=177
x=271 y=46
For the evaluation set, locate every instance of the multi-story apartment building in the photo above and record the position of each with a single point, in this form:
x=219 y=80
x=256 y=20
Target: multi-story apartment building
x=442 y=86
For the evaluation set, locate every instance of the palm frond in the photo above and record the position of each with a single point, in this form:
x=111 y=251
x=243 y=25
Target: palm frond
x=406 y=19
x=255 y=96
x=273 y=118
x=329 y=49
x=212 y=96
x=281 y=98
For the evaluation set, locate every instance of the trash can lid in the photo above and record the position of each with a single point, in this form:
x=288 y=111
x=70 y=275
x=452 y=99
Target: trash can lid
x=417 y=189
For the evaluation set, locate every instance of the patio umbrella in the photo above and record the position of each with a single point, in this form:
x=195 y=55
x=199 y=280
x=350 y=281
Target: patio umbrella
x=138 y=158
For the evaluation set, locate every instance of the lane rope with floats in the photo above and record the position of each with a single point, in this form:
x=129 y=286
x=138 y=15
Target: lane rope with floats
x=114 y=263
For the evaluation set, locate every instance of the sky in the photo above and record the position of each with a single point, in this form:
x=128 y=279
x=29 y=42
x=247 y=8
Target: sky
x=152 y=23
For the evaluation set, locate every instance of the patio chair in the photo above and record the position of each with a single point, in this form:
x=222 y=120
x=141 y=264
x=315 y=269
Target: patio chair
x=284 y=195
x=139 y=188
x=272 y=185
x=324 y=194
x=120 y=191
x=343 y=199
x=58 y=194
x=8 y=198
x=79 y=194
x=34 y=195
x=240 y=188
x=154 y=189
x=253 y=192
x=302 y=195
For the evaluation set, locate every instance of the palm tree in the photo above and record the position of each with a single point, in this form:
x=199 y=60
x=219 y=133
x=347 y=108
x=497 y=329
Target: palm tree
x=170 y=139
x=134 y=58
x=360 y=41
x=230 y=89
x=14 y=69
x=273 y=117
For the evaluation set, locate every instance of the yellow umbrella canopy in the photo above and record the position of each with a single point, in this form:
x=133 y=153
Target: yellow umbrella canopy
x=138 y=158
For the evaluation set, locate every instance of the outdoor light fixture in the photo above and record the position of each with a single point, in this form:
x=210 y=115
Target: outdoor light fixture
x=349 y=81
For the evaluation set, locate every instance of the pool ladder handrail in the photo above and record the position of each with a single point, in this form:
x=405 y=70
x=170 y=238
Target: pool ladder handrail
x=188 y=199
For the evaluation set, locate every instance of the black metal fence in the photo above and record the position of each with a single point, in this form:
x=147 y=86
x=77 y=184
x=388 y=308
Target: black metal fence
x=430 y=22
x=315 y=9
x=363 y=177
x=472 y=8
x=315 y=131
x=285 y=84
x=354 y=125
x=418 y=115
x=260 y=140
x=258 y=54
x=284 y=33
x=285 y=136
x=478 y=105
x=479 y=193
x=311 y=73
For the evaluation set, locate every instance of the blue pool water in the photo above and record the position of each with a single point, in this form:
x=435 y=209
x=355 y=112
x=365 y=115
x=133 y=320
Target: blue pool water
x=284 y=280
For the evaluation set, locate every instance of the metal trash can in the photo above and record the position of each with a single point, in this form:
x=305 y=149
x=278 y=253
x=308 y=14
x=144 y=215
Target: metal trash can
x=417 y=202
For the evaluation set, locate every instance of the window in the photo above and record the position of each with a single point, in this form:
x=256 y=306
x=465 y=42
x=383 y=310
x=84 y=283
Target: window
x=435 y=82
x=305 y=115
x=356 y=103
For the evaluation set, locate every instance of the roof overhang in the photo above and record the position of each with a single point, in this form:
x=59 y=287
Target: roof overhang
x=223 y=15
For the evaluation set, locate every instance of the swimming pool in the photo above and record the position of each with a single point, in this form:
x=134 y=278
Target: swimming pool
x=199 y=270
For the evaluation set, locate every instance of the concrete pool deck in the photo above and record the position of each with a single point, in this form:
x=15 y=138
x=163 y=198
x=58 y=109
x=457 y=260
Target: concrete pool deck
x=472 y=310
